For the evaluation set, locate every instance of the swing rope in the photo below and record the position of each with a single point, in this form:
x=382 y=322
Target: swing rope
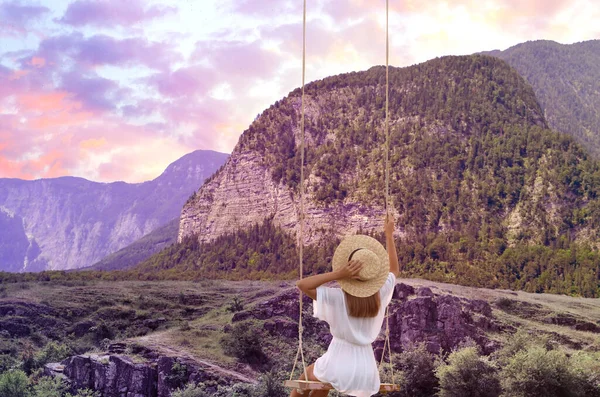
x=300 y=352
x=301 y=234
x=387 y=178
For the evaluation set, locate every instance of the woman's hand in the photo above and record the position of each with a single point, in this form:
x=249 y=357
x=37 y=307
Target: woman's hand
x=389 y=226
x=350 y=270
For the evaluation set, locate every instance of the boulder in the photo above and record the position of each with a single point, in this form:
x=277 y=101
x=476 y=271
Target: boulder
x=424 y=291
x=403 y=291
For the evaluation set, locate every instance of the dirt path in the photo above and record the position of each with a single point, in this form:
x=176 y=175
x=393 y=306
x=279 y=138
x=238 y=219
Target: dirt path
x=153 y=342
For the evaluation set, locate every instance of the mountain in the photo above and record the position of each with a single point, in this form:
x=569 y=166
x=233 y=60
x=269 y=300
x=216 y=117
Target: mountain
x=141 y=249
x=68 y=222
x=483 y=192
x=566 y=81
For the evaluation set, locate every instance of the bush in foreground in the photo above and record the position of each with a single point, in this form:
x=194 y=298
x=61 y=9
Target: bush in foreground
x=14 y=384
x=417 y=371
x=468 y=374
x=537 y=371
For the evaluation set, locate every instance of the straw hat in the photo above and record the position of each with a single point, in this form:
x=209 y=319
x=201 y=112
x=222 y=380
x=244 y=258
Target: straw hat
x=375 y=262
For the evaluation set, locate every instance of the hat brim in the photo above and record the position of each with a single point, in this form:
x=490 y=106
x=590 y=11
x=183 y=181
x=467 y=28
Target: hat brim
x=342 y=253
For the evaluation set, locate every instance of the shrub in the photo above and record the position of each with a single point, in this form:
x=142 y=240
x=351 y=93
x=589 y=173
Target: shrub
x=178 y=375
x=191 y=390
x=7 y=362
x=417 y=371
x=84 y=393
x=28 y=358
x=240 y=390
x=515 y=343
x=243 y=342
x=236 y=305
x=51 y=353
x=270 y=386
x=537 y=371
x=468 y=374
x=14 y=384
x=587 y=369
x=503 y=303
x=50 y=387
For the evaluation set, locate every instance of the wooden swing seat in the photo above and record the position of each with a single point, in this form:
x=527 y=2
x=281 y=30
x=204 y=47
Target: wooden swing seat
x=311 y=385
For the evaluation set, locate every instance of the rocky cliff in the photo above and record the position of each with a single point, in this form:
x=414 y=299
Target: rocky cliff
x=67 y=223
x=244 y=193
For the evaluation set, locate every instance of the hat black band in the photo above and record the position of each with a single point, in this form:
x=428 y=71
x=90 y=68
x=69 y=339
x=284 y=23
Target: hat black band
x=353 y=252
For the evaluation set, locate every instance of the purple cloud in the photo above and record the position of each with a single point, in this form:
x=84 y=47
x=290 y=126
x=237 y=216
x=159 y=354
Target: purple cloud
x=107 y=50
x=14 y=13
x=112 y=12
x=266 y=8
x=95 y=93
x=103 y=50
x=143 y=107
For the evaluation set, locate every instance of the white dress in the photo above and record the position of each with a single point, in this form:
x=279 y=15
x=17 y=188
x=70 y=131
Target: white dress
x=349 y=363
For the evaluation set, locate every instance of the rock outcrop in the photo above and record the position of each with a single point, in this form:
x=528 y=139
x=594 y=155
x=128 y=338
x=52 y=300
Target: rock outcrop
x=440 y=321
x=115 y=375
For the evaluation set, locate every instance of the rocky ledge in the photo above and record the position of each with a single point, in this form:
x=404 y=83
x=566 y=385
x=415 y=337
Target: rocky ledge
x=117 y=375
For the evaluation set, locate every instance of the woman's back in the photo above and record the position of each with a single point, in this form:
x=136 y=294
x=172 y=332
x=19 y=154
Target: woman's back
x=330 y=306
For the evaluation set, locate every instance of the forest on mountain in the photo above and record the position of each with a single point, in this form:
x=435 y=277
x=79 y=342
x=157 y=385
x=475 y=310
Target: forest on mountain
x=487 y=194
x=566 y=81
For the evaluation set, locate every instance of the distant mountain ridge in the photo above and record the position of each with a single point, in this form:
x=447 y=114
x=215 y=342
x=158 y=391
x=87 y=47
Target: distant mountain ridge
x=68 y=223
x=141 y=249
x=566 y=81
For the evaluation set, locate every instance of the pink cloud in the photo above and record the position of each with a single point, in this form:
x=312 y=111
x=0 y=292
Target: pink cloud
x=79 y=144
x=112 y=12
x=38 y=62
x=237 y=58
x=319 y=37
x=188 y=81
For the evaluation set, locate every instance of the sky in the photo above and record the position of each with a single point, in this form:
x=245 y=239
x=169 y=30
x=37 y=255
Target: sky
x=116 y=90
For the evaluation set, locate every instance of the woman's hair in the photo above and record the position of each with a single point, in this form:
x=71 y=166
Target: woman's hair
x=363 y=307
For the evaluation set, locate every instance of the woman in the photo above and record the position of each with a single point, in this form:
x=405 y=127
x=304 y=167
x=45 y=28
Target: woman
x=354 y=313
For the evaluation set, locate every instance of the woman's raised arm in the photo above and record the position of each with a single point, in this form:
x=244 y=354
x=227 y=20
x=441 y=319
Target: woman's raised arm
x=391 y=245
